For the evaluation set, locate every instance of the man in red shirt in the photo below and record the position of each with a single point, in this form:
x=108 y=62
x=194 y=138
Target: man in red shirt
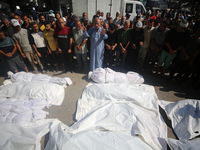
x=63 y=36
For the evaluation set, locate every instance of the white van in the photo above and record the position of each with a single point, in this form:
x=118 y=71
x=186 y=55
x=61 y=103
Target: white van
x=112 y=6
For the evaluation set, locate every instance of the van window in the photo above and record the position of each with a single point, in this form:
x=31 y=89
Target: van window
x=129 y=8
x=139 y=8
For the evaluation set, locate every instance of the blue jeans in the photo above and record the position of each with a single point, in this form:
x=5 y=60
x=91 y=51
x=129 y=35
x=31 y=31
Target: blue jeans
x=82 y=58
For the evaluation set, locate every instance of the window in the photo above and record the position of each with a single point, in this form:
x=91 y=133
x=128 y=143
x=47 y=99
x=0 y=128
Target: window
x=139 y=8
x=129 y=8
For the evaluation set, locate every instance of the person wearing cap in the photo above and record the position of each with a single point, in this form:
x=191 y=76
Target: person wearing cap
x=8 y=50
x=41 y=23
x=110 y=45
x=63 y=36
x=80 y=46
x=137 y=39
x=7 y=28
x=39 y=45
x=97 y=35
x=117 y=19
x=145 y=47
x=22 y=40
x=123 y=39
x=53 y=56
x=176 y=40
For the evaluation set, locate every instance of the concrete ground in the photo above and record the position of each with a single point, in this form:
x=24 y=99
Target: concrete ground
x=166 y=89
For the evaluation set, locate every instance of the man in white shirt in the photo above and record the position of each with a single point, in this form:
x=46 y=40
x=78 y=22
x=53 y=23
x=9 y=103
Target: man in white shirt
x=38 y=44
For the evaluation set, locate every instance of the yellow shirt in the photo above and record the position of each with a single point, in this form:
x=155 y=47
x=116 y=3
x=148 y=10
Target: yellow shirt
x=49 y=35
x=41 y=26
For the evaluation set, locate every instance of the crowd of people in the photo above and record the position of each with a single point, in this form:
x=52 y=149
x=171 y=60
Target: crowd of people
x=153 y=41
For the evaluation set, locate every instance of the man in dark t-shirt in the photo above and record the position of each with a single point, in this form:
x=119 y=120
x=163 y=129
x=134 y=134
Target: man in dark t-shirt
x=8 y=51
x=63 y=36
x=110 y=45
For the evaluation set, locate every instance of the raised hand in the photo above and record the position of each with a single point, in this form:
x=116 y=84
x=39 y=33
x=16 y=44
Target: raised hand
x=102 y=31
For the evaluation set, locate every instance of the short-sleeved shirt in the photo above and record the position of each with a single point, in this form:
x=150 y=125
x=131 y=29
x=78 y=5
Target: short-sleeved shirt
x=39 y=39
x=23 y=39
x=78 y=37
x=7 y=46
x=49 y=35
x=123 y=36
x=63 y=36
x=112 y=38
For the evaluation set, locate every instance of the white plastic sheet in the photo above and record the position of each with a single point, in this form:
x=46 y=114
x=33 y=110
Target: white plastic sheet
x=93 y=140
x=108 y=75
x=29 y=77
x=185 y=117
x=53 y=93
x=183 y=145
x=129 y=109
x=16 y=137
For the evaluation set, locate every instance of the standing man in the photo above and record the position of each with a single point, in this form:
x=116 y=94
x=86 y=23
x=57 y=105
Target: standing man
x=22 y=37
x=41 y=24
x=97 y=35
x=39 y=45
x=145 y=47
x=136 y=42
x=157 y=43
x=123 y=38
x=9 y=51
x=7 y=28
x=53 y=56
x=80 y=45
x=63 y=36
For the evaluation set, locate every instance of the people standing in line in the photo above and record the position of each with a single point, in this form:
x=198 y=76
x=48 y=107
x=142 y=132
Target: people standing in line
x=22 y=40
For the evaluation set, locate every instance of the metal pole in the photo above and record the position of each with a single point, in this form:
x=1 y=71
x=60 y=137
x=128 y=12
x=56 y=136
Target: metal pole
x=110 y=6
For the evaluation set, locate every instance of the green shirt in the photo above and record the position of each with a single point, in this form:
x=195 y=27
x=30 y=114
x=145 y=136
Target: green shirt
x=8 y=31
x=123 y=36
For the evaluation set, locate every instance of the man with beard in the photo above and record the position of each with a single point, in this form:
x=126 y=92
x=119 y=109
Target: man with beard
x=97 y=35
x=7 y=28
x=41 y=24
x=38 y=44
x=22 y=40
x=26 y=24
